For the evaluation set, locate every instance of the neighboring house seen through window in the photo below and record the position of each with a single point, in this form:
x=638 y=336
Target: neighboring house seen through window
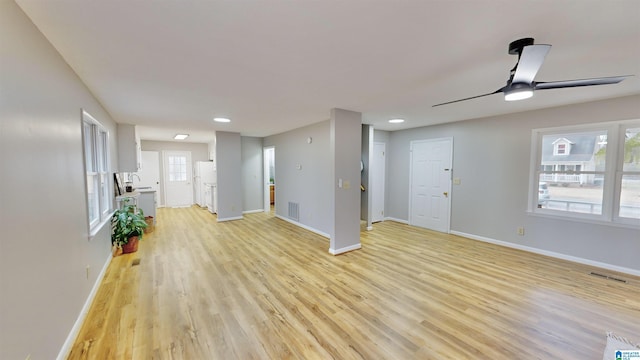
x=589 y=172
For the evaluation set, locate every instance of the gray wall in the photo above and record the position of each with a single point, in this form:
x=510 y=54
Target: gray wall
x=345 y=144
x=252 y=174
x=229 y=169
x=199 y=152
x=311 y=185
x=44 y=245
x=491 y=157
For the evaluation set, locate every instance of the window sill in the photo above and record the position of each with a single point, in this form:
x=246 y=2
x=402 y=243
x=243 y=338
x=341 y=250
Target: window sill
x=584 y=220
x=96 y=229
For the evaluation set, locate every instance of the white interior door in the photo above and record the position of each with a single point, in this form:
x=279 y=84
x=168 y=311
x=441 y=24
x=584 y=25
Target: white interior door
x=377 y=182
x=150 y=172
x=430 y=184
x=177 y=178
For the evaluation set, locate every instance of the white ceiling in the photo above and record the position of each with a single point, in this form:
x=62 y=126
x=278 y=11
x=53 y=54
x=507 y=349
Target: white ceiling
x=275 y=65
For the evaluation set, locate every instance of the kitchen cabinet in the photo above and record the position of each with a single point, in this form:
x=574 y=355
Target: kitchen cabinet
x=129 y=149
x=147 y=202
x=211 y=195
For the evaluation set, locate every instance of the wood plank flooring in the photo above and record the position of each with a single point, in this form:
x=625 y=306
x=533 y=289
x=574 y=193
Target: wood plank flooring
x=262 y=288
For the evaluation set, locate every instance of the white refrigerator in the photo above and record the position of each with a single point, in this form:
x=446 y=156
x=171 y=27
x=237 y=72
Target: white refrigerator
x=204 y=174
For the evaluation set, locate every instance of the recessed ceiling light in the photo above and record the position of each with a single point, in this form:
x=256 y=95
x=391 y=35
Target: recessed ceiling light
x=222 y=120
x=181 y=136
x=396 y=121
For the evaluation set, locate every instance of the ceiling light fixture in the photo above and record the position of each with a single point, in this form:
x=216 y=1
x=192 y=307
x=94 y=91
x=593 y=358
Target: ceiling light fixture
x=181 y=136
x=221 y=120
x=396 y=121
x=518 y=91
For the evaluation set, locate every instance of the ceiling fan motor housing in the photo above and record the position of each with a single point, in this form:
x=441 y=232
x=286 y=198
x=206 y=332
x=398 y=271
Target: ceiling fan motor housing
x=515 y=48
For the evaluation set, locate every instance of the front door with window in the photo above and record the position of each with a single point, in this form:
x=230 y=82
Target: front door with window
x=177 y=178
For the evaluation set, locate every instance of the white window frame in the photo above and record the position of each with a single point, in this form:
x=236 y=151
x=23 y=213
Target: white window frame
x=95 y=140
x=612 y=173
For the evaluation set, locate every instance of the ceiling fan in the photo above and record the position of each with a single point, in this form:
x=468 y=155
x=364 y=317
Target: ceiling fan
x=521 y=85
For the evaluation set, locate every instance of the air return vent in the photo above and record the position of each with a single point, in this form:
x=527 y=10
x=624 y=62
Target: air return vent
x=294 y=211
x=608 y=277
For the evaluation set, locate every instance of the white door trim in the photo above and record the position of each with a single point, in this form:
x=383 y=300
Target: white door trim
x=381 y=182
x=266 y=187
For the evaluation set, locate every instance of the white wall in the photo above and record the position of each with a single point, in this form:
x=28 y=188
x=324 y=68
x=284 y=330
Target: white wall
x=252 y=174
x=44 y=245
x=491 y=157
x=229 y=170
x=311 y=185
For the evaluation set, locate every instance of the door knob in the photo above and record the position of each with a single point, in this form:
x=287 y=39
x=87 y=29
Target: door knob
x=446 y=194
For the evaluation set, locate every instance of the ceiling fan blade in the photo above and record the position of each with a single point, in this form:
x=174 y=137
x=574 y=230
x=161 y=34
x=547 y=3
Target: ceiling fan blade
x=529 y=63
x=469 y=98
x=581 y=82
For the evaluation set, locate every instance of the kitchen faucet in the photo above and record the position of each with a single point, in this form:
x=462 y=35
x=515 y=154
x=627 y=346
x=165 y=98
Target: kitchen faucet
x=132 y=175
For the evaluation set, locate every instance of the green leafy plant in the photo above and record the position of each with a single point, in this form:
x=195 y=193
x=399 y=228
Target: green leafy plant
x=126 y=222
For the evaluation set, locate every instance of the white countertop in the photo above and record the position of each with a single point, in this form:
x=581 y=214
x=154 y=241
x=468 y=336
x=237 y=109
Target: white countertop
x=133 y=194
x=145 y=190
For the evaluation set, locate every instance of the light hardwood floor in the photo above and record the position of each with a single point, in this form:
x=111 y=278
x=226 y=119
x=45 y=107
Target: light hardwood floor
x=262 y=288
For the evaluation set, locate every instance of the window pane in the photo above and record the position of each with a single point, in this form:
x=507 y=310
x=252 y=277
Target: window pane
x=102 y=151
x=632 y=150
x=88 y=146
x=104 y=193
x=177 y=168
x=571 y=153
x=630 y=197
x=92 y=194
x=570 y=196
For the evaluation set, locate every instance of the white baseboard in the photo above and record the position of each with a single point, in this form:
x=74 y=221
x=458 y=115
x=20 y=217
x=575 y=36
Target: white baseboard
x=253 y=211
x=396 y=220
x=230 y=218
x=345 y=249
x=304 y=226
x=369 y=228
x=71 y=338
x=551 y=254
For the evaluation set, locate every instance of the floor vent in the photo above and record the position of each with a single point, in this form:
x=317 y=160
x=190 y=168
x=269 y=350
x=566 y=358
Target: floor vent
x=608 y=277
x=294 y=211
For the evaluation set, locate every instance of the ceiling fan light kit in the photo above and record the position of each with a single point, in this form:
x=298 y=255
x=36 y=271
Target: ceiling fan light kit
x=518 y=91
x=521 y=84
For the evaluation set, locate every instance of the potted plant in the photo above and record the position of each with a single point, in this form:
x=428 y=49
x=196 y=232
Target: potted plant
x=127 y=228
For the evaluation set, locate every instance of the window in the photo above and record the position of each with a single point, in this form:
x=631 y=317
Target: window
x=177 y=168
x=96 y=157
x=589 y=172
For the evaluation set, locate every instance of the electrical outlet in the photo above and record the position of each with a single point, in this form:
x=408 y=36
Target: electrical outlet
x=456 y=181
x=521 y=231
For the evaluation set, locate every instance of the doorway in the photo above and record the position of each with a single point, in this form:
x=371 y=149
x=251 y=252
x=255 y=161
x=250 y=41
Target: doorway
x=177 y=178
x=430 y=183
x=149 y=173
x=269 y=177
x=377 y=183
